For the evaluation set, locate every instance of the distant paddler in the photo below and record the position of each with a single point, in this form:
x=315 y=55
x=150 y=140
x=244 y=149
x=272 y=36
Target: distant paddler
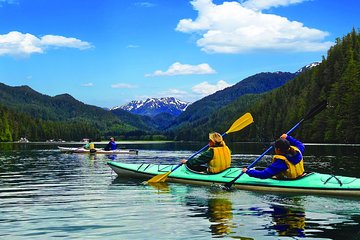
x=90 y=146
x=111 y=146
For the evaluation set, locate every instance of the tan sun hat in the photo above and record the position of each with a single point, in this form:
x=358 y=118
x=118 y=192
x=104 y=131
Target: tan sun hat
x=215 y=137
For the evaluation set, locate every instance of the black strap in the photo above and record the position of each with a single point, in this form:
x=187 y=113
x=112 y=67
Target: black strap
x=337 y=179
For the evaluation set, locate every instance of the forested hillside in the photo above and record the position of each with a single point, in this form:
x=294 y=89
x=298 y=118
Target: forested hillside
x=199 y=112
x=336 y=79
x=27 y=113
x=219 y=121
x=14 y=125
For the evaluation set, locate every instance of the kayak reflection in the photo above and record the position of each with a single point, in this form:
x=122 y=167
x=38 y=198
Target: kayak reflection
x=220 y=216
x=111 y=157
x=287 y=214
x=216 y=206
x=288 y=221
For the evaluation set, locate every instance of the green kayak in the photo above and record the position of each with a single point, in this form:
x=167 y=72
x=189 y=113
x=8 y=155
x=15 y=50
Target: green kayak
x=310 y=183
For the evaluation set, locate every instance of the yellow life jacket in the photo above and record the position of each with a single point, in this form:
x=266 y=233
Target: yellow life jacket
x=91 y=146
x=293 y=171
x=221 y=159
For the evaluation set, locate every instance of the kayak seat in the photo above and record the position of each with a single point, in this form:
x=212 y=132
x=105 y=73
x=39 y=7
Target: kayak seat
x=291 y=179
x=202 y=170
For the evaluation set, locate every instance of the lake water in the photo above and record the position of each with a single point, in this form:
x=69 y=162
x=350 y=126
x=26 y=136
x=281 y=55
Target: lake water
x=46 y=194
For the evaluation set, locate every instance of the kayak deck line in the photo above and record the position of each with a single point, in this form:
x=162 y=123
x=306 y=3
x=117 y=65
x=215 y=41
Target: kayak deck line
x=148 y=165
x=314 y=183
x=167 y=168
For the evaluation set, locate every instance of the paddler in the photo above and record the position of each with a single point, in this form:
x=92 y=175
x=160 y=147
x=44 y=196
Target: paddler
x=111 y=145
x=287 y=162
x=215 y=159
x=90 y=146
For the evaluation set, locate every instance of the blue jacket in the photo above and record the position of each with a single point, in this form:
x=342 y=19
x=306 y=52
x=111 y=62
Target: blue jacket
x=112 y=145
x=278 y=165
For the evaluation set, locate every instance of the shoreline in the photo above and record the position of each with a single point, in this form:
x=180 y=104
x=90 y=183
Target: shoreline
x=159 y=142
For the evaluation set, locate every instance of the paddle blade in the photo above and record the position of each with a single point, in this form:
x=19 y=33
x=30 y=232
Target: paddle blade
x=315 y=110
x=227 y=186
x=240 y=123
x=159 y=178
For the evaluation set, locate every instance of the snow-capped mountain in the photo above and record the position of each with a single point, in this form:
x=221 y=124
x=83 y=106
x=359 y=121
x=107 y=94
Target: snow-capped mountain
x=154 y=106
x=307 y=67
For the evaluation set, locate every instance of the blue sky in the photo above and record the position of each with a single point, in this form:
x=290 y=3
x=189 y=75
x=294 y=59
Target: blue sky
x=109 y=52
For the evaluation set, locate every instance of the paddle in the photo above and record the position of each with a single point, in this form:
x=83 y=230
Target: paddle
x=315 y=110
x=239 y=124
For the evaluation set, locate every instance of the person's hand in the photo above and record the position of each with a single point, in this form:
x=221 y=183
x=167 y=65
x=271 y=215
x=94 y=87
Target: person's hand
x=284 y=136
x=244 y=170
x=183 y=161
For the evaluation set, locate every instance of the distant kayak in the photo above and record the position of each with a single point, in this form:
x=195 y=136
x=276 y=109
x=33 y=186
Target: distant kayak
x=98 y=151
x=311 y=183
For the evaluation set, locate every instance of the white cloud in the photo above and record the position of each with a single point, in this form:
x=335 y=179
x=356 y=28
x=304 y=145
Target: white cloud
x=234 y=27
x=173 y=92
x=184 y=69
x=266 y=4
x=144 y=4
x=87 y=85
x=206 y=88
x=60 y=41
x=24 y=44
x=123 y=85
x=132 y=46
x=8 y=2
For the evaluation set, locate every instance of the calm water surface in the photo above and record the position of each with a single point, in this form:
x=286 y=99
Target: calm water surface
x=45 y=194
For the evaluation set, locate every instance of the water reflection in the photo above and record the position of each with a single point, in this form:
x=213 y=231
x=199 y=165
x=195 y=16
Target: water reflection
x=220 y=215
x=289 y=221
x=215 y=206
x=285 y=220
x=161 y=187
x=111 y=157
x=240 y=214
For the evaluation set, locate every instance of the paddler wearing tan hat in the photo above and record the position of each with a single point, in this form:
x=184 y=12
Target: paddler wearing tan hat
x=215 y=159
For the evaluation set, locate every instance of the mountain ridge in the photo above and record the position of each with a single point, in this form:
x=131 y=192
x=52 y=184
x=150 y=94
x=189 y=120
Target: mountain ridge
x=154 y=106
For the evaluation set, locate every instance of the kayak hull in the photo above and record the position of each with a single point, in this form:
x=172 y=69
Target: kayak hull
x=98 y=151
x=311 y=183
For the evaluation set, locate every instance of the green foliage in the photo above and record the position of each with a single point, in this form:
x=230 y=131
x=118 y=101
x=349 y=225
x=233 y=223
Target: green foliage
x=336 y=79
x=14 y=125
x=41 y=117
